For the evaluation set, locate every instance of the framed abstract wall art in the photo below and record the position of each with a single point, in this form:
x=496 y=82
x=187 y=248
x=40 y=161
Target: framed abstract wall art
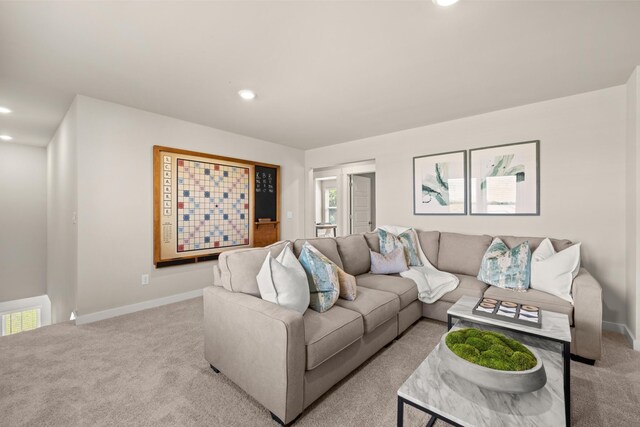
x=439 y=184
x=505 y=179
x=203 y=205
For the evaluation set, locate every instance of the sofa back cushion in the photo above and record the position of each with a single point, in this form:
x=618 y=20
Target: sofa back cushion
x=534 y=242
x=354 y=253
x=462 y=253
x=326 y=245
x=430 y=242
x=373 y=240
x=239 y=268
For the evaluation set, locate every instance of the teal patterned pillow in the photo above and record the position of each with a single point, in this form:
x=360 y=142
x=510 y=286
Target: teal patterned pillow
x=408 y=240
x=322 y=275
x=506 y=268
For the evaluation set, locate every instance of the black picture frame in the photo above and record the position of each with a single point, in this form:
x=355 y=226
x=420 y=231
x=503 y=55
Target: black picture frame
x=422 y=167
x=529 y=161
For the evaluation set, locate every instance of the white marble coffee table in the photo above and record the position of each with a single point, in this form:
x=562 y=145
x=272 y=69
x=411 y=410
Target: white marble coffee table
x=461 y=403
x=555 y=326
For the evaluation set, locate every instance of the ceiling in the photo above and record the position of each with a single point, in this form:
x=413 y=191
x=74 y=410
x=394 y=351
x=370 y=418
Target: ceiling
x=325 y=72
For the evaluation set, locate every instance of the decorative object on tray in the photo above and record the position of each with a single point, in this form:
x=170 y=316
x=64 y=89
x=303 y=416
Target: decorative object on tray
x=505 y=179
x=508 y=311
x=492 y=361
x=439 y=184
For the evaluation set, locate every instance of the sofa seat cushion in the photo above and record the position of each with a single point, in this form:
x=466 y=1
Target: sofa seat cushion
x=406 y=289
x=376 y=307
x=469 y=286
x=533 y=297
x=328 y=333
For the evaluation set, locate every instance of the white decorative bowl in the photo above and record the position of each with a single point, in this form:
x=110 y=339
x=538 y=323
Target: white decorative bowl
x=493 y=379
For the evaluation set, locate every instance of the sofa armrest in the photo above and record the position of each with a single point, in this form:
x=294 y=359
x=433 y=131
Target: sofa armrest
x=587 y=316
x=258 y=345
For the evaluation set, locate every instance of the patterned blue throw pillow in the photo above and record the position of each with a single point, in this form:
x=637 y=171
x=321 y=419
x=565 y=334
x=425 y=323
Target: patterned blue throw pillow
x=506 y=268
x=322 y=275
x=407 y=240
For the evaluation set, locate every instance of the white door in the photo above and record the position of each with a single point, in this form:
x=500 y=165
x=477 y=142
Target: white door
x=360 y=204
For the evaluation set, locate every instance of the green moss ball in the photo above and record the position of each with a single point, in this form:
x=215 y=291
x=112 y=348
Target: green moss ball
x=501 y=349
x=466 y=351
x=453 y=339
x=522 y=361
x=471 y=332
x=478 y=343
x=490 y=349
x=495 y=362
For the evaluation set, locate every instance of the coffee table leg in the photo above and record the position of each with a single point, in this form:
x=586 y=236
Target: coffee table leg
x=449 y=322
x=566 y=357
x=400 y=421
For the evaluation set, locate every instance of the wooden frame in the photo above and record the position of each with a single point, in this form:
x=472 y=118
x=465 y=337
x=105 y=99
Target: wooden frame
x=526 y=208
x=438 y=208
x=165 y=249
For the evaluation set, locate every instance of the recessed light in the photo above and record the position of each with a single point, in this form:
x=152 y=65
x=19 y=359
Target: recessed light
x=445 y=2
x=4 y=110
x=247 y=94
x=5 y=137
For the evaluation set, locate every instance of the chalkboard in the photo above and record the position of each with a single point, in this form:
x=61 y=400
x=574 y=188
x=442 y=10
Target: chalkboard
x=266 y=192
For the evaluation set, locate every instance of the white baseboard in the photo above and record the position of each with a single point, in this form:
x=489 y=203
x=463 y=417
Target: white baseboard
x=132 y=308
x=624 y=330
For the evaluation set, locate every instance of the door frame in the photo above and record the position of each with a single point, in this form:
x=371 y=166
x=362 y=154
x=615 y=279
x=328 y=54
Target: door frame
x=347 y=171
x=342 y=173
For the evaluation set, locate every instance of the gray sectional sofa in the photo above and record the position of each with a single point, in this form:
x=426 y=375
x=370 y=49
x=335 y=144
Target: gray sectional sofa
x=287 y=360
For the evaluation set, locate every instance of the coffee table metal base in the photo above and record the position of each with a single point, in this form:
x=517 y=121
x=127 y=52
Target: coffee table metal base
x=434 y=417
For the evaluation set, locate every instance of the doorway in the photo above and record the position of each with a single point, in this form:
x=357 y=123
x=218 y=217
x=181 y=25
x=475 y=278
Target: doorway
x=362 y=202
x=343 y=199
x=326 y=217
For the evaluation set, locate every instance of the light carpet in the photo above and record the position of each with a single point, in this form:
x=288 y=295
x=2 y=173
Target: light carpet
x=148 y=369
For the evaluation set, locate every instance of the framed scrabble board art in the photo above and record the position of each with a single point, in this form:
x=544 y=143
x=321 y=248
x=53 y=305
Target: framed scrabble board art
x=203 y=205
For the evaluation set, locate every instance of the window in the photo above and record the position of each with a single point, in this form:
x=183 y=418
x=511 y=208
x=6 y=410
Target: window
x=330 y=205
x=501 y=194
x=20 y=321
x=24 y=314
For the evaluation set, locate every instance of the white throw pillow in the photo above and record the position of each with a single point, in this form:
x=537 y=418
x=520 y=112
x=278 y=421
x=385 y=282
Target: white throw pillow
x=283 y=281
x=553 y=272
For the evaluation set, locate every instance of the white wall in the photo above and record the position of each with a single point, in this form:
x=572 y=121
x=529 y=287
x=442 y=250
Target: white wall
x=582 y=176
x=62 y=202
x=115 y=225
x=633 y=199
x=23 y=201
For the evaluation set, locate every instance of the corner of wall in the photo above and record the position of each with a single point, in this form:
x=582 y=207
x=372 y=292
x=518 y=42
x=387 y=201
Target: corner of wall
x=62 y=205
x=632 y=210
